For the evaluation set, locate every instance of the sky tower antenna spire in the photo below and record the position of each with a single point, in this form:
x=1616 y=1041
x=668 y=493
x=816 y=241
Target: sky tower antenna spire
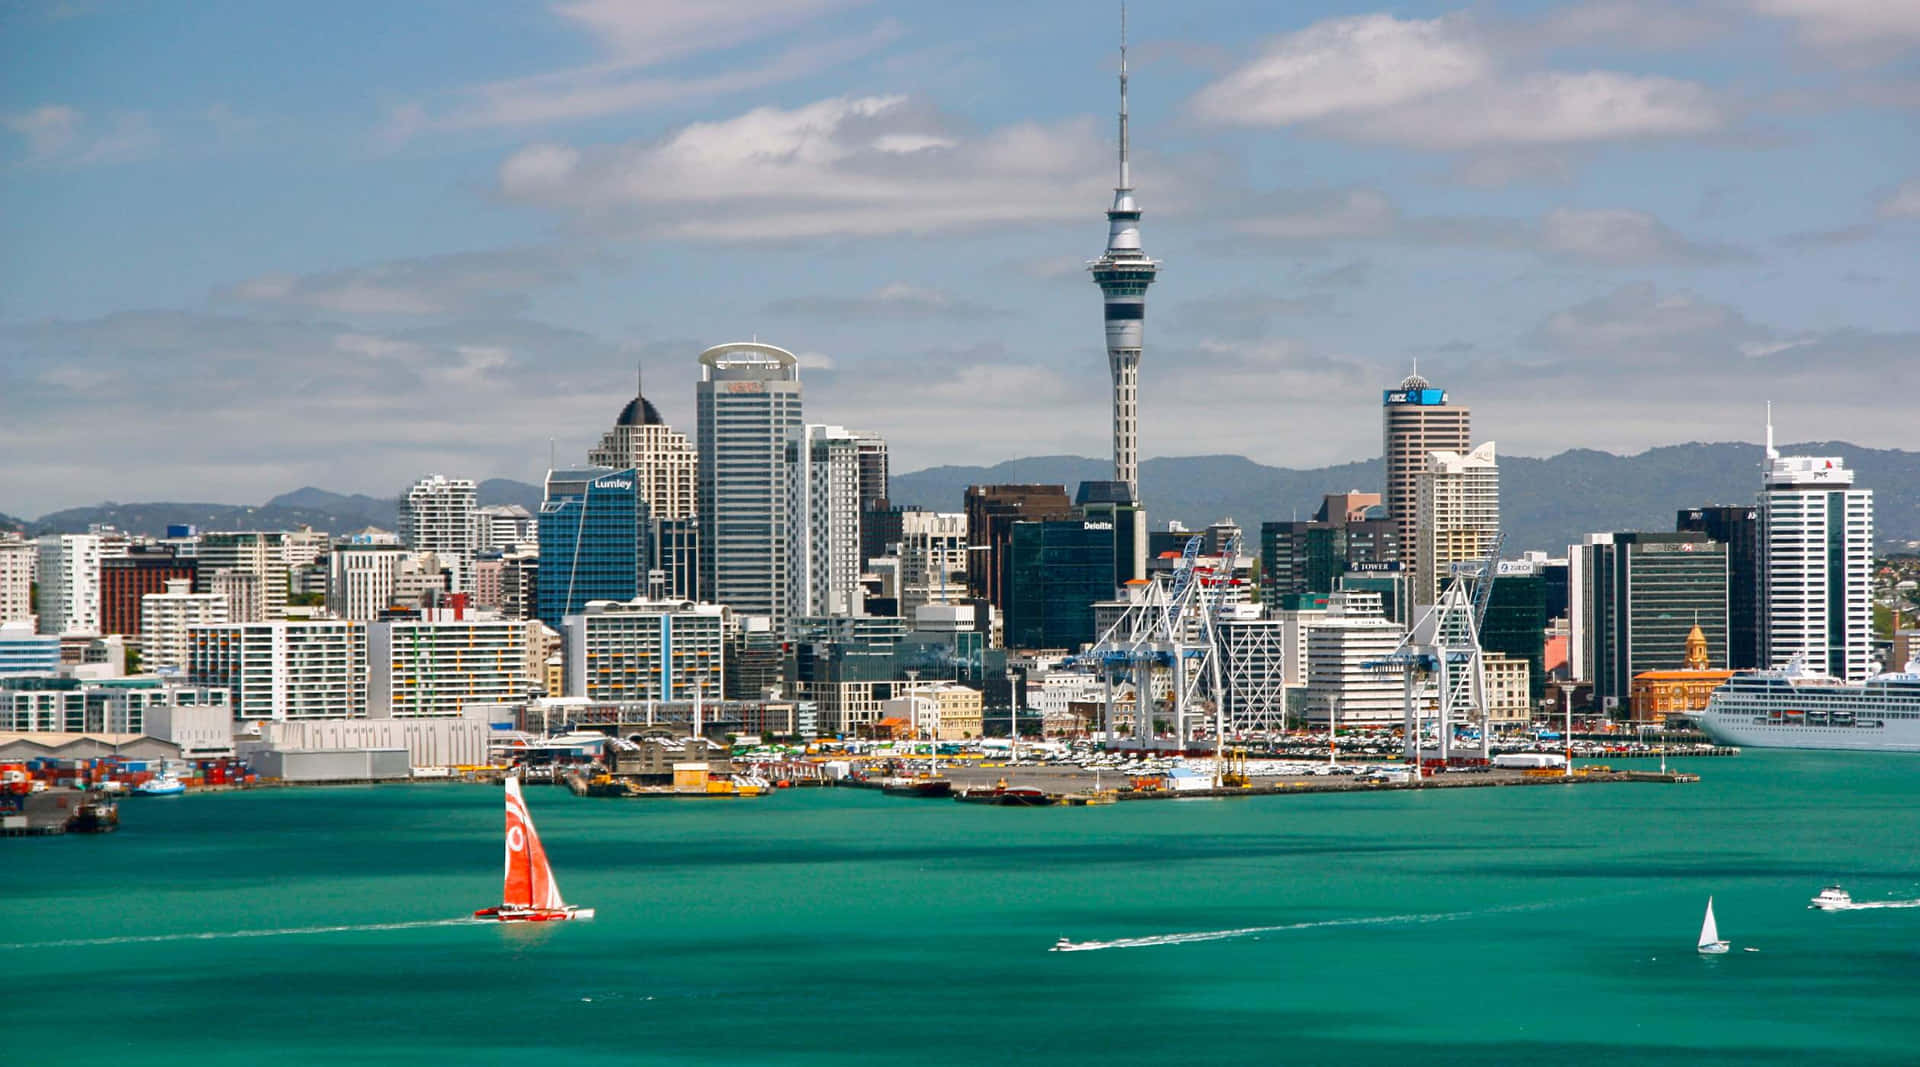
x=1126 y=179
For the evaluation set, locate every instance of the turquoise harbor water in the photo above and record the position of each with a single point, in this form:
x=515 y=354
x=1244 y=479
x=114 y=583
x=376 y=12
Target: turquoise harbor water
x=1502 y=925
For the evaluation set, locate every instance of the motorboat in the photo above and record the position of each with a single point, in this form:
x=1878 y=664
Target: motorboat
x=161 y=785
x=1832 y=898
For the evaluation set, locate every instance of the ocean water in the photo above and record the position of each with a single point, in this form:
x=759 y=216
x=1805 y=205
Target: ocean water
x=833 y=926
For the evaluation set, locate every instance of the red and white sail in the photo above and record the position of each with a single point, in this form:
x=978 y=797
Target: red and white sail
x=530 y=881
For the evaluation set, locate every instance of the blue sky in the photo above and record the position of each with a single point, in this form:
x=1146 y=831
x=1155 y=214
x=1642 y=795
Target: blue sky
x=249 y=247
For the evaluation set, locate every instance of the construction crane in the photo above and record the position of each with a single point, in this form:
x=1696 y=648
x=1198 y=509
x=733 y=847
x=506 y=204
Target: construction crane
x=1441 y=663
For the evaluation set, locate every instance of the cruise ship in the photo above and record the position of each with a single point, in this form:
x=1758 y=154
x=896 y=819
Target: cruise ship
x=1796 y=708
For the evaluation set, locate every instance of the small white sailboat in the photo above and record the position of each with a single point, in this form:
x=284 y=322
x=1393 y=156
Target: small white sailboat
x=531 y=894
x=1710 y=943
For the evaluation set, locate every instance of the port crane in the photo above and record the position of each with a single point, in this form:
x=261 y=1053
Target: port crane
x=1440 y=661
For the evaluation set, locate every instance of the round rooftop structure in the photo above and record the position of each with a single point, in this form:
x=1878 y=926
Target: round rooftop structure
x=1414 y=381
x=749 y=352
x=640 y=412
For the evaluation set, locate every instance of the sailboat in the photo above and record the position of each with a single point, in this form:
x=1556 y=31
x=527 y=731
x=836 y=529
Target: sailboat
x=1710 y=943
x=531 y=896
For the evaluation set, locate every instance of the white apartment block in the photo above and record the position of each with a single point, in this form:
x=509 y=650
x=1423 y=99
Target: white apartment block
x=933 y=559
x=645 y=650
x=824 y=574
x=360 y=579
x=442 y=666
x=19 y=564
x=1456 y=516
x=69 y=572
x=165 y=619
x=1816 y=572
x=260 y=553
x=284 y=670
x=502 y=527
x=437 y=515
x=1337 y=646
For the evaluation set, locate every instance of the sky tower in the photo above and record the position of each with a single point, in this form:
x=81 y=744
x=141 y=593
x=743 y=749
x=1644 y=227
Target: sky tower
x=1123 y=274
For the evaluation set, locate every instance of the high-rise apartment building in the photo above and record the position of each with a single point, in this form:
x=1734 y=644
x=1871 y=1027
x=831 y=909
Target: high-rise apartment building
x=593 y=540
x=645 y=650
x=442 y=665
x=824 y=471
x=284 y=670
x=19 y=559
x=748 y=401
x=125 y=579
x=360 y=579
x=933 y=559
x=503 y=527
x=1737 y=527
x=437 y=516
x=259 y=553
x=165 y=619
x=1816 y=544
x=69 y=569
x=661 y=458
x=1416 y=421
x=1637 y=597
x=1456 y=516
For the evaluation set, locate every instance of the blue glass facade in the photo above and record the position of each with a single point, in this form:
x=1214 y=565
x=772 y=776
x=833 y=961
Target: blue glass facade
x=593 y=541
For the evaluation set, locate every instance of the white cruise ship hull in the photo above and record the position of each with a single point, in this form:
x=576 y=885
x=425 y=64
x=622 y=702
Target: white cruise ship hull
x=1726 y=730
x=1791 y=709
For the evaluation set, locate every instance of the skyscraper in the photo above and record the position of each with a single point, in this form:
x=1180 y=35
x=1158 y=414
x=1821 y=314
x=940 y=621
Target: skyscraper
x=1416 y=419
x=593 y=541
x=18 y=561
x=1639 y=596
x=991 y=512
x=1737 y=527
x=661 y=458
x=1816 y=546
x=824 y=575
x=1456 y=516
x=749 y=411
x=436 y=516
x=70 y=579
x=1123 y=273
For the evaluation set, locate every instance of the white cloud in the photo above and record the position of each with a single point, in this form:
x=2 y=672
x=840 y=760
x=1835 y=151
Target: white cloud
x=1443 y=84
x=58 y=135
x=494 y=282
x=643 y=32
x=1903 y=202
x=1875 y=24
x=1620 y=238
x=833 y=167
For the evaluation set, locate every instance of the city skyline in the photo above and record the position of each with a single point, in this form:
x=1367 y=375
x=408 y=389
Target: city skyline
x=421 y=260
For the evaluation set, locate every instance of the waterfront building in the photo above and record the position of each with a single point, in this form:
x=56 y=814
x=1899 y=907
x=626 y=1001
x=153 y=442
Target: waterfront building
x=165 y=619
x=1509 y=690
x=279 y=670
x=749 y=407
x=22 y=651
x=1639 y=594
x=1456 y=516
x=437 y=516
x=1658 y=694
x=823 y=574
x=645 y=650
x=1253 y=672
x=1737 y=527
x=260 y=553
x=69 y=572
x=1516 y=619
x=661 y=458
x=1338 y=682
x=1816 y=543
x=991 y=511
x=593 y=541
x=848 y=684
x=952 y=711
x=19 y=560
x=756 y=659
x=1123 y=273
x=48 y=704
x=444 y=664
x=1416 y=421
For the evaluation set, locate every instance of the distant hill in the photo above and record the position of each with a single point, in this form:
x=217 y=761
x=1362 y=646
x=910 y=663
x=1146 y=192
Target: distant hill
x=318 y=508
x=1546 y=503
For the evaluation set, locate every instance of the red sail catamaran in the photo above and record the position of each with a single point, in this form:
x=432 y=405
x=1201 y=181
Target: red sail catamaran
x=532 y=896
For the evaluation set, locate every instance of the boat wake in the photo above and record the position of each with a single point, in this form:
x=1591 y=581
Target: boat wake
x=1065 y=945
x=1863 y=905
x=223 y=935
